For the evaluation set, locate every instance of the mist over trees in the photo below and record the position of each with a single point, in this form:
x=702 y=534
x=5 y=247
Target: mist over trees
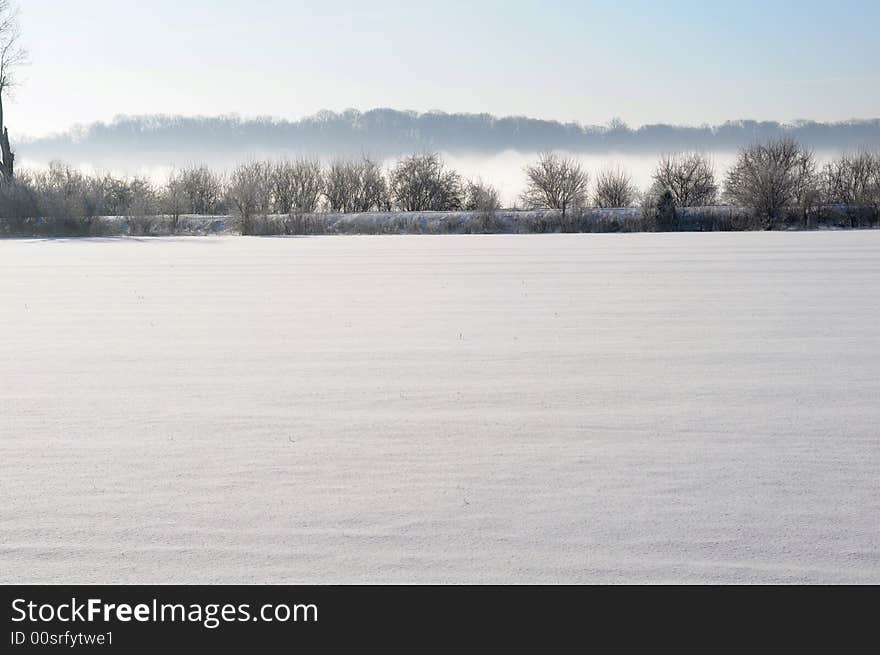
x=389 y=133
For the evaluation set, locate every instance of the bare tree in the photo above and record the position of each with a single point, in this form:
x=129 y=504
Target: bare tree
x=173 y=199
x=769 y=177
x=12 y=55
x=480 y=197
x=852 y=179
x=203 y=189
x=264 y=198
x=555 y=182
x=68 y=198
x=355 y=186
x=246 y=191
x=688 y=178
x=368 y=188
x=282 y=186
x=142 y=206
x=18 y=203
x=806 y=186
x=423 y=183
x=340 y=184
x=296 y=186
x=111 y=194
x=614 y=188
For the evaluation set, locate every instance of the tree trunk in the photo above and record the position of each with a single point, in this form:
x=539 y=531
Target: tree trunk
x=7 y=157
x=7 y=166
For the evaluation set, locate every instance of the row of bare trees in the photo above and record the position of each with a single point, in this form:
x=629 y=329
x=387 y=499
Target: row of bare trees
x=290 y=187
x=770 y=179
x=415 y=183
x=74 y=199
x=557 y=182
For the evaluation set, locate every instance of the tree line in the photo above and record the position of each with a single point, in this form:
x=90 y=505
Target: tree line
x=257 y=188
x=773 y=180
x=387 y=133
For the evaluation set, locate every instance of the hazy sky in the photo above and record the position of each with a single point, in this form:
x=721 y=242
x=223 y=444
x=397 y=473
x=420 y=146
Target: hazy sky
x=680 y=62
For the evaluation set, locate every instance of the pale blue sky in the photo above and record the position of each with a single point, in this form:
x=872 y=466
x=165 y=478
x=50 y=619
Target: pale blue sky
x=681 y=62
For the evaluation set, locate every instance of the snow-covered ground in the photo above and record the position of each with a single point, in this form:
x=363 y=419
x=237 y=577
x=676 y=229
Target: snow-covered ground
x=541 y=408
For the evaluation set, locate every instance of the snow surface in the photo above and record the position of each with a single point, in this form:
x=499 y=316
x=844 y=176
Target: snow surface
x=542 y=408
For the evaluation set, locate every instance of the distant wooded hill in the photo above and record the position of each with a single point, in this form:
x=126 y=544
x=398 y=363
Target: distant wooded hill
x=161 y=139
